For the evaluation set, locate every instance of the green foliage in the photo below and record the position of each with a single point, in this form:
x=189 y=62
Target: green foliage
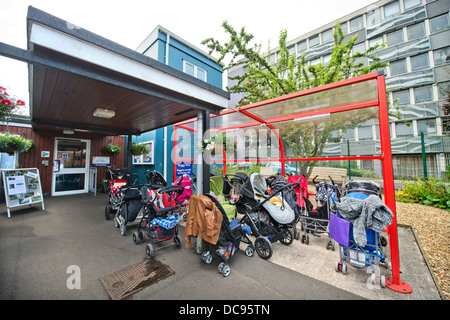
x=112 y=149
x=431 y=192
x=138 y=149
x=10 y=142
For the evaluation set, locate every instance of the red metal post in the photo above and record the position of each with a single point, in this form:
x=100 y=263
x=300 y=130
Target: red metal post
x=393 y=283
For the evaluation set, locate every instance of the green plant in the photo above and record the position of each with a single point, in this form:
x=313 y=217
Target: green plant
x=431 y=192
x=138 y=149
x=112 y=149
x=12 y=142
x=217 y=139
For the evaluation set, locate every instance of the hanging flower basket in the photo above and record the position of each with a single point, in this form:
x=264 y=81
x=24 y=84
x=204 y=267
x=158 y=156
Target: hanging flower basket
x=217 y=144
x=112 y=149
x=10 y=143
x=138 y=149
x=8 y=104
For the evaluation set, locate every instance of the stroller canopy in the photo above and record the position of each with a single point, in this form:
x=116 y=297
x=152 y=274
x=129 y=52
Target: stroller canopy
x=276 y=205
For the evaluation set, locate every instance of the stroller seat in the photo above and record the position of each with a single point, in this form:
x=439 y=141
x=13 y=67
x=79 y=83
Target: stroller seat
x=216 y=186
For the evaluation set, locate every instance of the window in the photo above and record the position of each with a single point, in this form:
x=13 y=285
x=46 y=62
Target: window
x=356 y=24
x=398 y=67
x=423 y=94
x=301 y=46
x=365 y=133
x=361 y=48
x=327 y=36
x=313 y=41
x=404 y=129
x=416 y=31
x=443 y=90
x=427 y=126
x=373 y=42
x=411 y=3
x=441 y=56
x=395 y=37
x=326 y=59
x=439 y=23
x=373 y=17
x=194 y=71
x=419 y=62
x=402 y=97
x=391 y=9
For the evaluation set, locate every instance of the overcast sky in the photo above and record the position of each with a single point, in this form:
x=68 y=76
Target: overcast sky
x=129 y=22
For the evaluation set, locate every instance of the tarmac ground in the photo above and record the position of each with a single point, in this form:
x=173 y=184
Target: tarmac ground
x=37 y=249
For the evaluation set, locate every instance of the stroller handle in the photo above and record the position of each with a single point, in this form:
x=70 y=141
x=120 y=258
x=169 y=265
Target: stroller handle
x=314 y=179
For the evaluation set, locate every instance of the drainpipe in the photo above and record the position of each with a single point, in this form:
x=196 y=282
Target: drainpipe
x=167 y=49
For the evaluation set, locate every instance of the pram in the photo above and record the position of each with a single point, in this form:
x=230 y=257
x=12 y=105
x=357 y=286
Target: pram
x=217 y=184
x=130 y=207
x=269 y=216
x=117 y=179
x=370 y=253
x=277 y=183
x=315 y=221
x=159 y=223
x=227 y=245
x=183 y=200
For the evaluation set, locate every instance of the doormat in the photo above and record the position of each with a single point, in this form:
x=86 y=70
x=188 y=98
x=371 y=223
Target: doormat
x=129 y=280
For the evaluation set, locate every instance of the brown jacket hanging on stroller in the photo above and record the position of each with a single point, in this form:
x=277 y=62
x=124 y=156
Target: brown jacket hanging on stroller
x=204 y=220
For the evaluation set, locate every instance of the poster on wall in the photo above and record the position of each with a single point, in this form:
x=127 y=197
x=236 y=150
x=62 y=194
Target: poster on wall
x=146 y=158
x=22 y=187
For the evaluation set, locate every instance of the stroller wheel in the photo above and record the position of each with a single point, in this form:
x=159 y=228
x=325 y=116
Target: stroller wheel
x=136 y=239
x=177 y=242
x=249 y=251
x=107 y=212
x=116 y=222
x=287 y=238
x=207 y=257
x=226 y=270
x=263 y=247
x=123 y=229
x=150 y=251
x=221 y=266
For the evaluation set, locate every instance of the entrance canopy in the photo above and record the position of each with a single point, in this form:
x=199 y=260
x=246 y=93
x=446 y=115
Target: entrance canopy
x=74 y=73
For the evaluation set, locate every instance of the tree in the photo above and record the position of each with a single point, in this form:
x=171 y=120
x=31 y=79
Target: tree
x=265 y=80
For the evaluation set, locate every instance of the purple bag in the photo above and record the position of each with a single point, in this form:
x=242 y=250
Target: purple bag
x=339 y=230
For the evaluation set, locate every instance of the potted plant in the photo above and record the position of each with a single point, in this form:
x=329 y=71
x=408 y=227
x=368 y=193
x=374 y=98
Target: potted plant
x=112 y=149
x=8 y=104
x=13 y=142
x=138 y=149
x=217 y=143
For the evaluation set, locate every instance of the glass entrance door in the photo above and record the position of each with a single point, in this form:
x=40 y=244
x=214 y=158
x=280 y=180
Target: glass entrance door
x=70 y=166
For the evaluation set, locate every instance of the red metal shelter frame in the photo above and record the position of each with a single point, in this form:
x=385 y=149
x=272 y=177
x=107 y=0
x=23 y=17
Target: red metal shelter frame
x=379 y=100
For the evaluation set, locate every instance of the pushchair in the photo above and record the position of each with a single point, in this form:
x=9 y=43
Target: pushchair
x=369 y=251
x=130 y=207
x=117 y=179
x=277 y=183
x=183 y=200
x=232 y=187
x=159 y=223
x=269 y=216
x=216 y=184
x=315 y=221
x=228 y=243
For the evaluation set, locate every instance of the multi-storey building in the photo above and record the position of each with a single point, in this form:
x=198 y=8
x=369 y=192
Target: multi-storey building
x=416 y=35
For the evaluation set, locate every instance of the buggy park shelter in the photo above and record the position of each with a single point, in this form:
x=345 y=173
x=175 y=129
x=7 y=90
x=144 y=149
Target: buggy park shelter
x=100 y=92
x=343 y=105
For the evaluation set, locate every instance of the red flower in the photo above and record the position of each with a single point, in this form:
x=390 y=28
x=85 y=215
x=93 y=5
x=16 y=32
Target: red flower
x=4 y=89
x=20 y=103
x=6 y=102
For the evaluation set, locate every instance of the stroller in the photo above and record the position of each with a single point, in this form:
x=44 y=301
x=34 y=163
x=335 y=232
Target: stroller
x=315 y=221
x=129 y=208
x=183 y=200
x=277 y=183
x=159 y=223
x=216 y=185
x=227 y=245
x=232 y=184
x=371 y=252
x=117 y=179
x=270 y=217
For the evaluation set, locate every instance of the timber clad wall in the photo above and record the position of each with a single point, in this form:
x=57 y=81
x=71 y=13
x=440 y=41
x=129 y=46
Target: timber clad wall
x=44 y=140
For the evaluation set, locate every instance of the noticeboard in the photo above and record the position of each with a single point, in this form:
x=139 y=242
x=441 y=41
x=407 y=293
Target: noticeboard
x=22 y=187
